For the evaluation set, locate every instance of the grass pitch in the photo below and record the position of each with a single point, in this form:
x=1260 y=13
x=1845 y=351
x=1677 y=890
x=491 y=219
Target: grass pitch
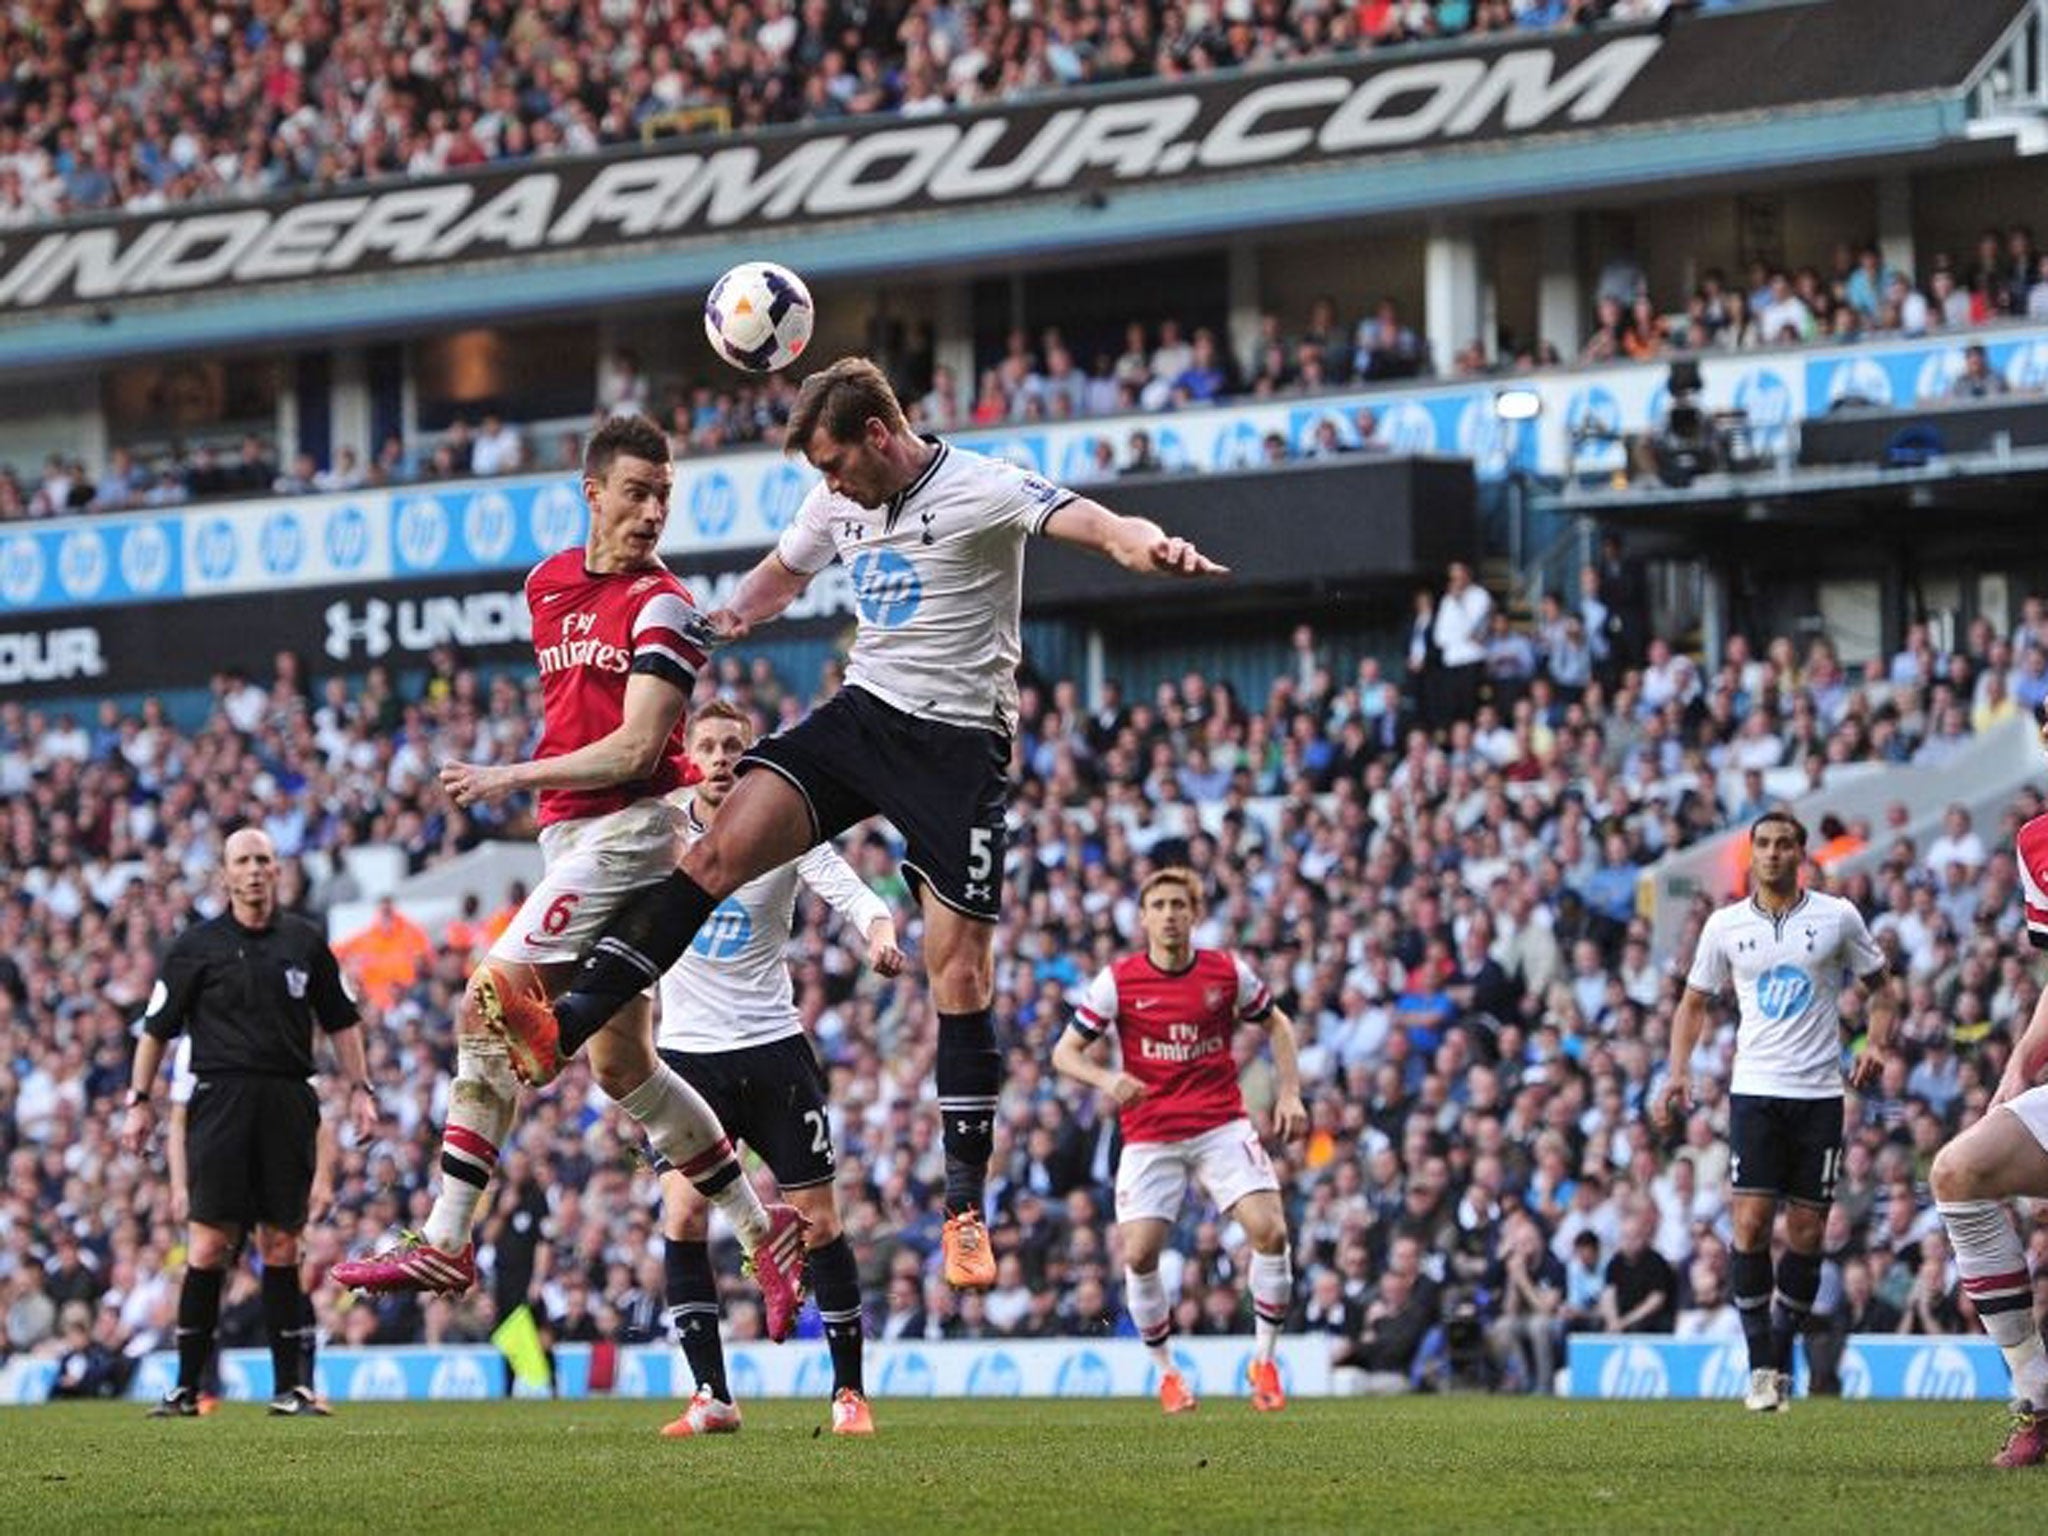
x=1458 y=1463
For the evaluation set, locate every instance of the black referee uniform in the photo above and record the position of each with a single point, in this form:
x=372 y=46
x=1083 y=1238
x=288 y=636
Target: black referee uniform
x=250 y=998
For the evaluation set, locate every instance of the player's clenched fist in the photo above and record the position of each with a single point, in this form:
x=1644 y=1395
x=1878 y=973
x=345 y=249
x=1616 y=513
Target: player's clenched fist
x=1126 y=1090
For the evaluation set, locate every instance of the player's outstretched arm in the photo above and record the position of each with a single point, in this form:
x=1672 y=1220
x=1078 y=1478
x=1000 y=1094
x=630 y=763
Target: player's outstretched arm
x=771 y=586
x=622 y=756
x=1135 y=543
x=1290 y=1114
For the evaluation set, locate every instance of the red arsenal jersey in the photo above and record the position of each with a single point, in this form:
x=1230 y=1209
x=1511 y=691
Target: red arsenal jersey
x=1174 y=1028
x=590 y=633
x=2032 y=853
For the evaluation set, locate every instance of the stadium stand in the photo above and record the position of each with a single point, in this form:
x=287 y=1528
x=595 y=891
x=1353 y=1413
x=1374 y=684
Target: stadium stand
x=1481 y=1019
x=1041 y=379
x=140 y=107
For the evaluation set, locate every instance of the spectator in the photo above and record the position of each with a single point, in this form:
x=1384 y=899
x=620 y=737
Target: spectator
x=1978 y=380
x=1463 y=616
x=498 y=449
x=1641 y=1295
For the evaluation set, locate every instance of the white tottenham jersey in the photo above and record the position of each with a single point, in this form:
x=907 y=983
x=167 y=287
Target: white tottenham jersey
x=1788 y=974
x=731 y=988
x=938 y=577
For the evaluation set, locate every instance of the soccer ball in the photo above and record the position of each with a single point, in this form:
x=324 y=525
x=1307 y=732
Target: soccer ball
x=758 y=316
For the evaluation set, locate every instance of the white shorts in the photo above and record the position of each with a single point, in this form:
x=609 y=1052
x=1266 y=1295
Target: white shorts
x=2032 y=1109
x=592 y=865
x=1230 y=1162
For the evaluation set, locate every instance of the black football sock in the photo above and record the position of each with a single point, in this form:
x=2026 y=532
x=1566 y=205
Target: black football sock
x=198 y=1317
x=970 y=1075
x=692 y=1295
x=309 y=1344
x=284 y=1312
x=1798 y=1284
x=644 y=938
x=1749 y=1278
x=835 y=1281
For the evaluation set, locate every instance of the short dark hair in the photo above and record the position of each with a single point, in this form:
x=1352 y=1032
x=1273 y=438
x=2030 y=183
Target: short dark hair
x=638 y=437
x=842 y=399
x=1798 y=827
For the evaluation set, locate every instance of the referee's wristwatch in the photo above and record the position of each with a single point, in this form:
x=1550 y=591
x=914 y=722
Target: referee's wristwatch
x=138 y=1098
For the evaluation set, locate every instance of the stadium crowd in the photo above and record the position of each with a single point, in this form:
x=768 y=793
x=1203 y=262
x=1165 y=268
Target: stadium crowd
x=1434 y=867
x=145 y=105
x=1149 y=369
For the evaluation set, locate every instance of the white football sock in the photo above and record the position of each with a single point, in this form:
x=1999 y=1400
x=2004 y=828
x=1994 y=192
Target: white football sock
x=482 y=1103
x=1145 y=1298
x=685 y=1131
x=1272 y=1295
x=1995 y=1278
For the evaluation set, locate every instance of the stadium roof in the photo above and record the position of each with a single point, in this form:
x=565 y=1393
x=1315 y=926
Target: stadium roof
x=1494 y=124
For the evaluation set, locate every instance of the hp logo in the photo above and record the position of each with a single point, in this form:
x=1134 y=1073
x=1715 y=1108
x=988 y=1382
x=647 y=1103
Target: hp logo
x=422 y=532
x=145 y=558
x=886 y=588
x=82 y=562
x=558 y=517
x=1634 y=1370
x=1782 y=991
x=216 y=550
x=782 y=492
x=725 y=932
x=714 y=504
x=487 y=524
x=348 y=538
x=282 y=543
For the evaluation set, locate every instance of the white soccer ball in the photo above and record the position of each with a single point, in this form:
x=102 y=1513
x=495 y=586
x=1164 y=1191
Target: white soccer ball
x=758 y=316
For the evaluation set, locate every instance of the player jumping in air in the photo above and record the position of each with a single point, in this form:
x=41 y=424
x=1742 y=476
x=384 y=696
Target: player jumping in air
x=729 y=1027
x=617 y=639
x=933 y=537
x=1174 y=1009
x=2004 y=1155
x=1788 y=954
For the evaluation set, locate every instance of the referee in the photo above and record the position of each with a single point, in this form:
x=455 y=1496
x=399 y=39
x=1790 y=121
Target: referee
x=248 y=986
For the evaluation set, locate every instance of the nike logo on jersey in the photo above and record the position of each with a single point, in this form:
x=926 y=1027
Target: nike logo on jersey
x=549 y=597
x=1145 y=1002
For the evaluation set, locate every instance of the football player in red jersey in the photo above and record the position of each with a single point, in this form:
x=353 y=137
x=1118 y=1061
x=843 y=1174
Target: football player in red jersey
x=2001 y=1156
x=1174 y=1008
x=617 y=640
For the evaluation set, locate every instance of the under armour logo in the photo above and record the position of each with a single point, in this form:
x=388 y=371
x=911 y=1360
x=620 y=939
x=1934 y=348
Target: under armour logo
x=344 y=629
x=850 y=531
x=1745 y=946
x=975 y=892
x=973 y=1127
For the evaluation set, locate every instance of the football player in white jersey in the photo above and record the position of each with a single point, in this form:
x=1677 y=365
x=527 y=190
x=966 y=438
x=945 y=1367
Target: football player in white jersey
x=1789 y=955
x=921 y=733
x=729 y=1028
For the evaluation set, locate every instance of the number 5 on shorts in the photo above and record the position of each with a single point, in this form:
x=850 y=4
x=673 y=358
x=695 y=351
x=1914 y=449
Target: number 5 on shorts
x=981 y=855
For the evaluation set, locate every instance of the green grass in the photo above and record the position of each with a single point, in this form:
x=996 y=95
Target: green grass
x=1437 y=1463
